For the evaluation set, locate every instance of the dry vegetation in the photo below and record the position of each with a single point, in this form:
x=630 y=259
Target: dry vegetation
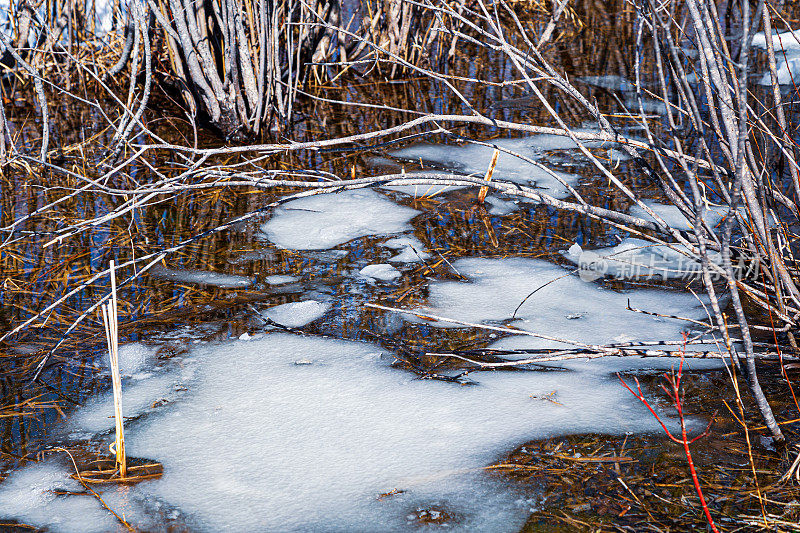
x=147 y=144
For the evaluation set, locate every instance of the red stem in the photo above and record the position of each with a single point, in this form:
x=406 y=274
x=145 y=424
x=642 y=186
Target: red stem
x=675 y=384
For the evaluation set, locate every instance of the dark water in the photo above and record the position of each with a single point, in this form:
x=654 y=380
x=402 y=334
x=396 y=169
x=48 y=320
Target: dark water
x=452 y=225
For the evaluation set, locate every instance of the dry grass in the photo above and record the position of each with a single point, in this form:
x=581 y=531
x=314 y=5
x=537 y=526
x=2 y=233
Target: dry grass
x=642 y=483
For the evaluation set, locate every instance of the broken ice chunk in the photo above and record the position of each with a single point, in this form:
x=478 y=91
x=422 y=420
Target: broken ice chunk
x=382 y=272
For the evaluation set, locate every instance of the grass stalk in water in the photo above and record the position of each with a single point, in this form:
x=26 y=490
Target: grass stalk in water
x=109 y=310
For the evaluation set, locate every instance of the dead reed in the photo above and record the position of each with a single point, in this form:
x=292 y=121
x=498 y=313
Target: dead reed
x=110 y=321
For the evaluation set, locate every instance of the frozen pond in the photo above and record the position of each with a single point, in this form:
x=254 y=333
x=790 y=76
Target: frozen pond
x=297 y=432
x=301 y=430
x=292 y=433
x=324 y=221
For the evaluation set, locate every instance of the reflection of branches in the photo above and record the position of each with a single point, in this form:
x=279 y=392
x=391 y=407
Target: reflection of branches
x=38 y=87
x=241 y=65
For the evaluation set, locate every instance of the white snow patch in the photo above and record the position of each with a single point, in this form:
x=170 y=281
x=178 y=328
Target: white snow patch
x=422 y=191
x=104 y=14
x=787 y=56
x=381 y=272
x=564 y=307
x=310 y=447
x=28 y=495
x=280 y=279
x=789 y=40
x=325 y=220
x=500 y=207
x=673 y=216
x=133 y=358
x=297 y=314
x=637 y=258
x=475 y=159
x=138 y=397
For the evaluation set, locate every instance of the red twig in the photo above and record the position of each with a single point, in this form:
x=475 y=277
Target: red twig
x=673 y=389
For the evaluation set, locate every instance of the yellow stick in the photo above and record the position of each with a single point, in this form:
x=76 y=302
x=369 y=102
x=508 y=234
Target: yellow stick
x=488 y=177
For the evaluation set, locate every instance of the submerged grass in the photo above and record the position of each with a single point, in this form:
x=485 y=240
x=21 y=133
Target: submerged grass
x=583 y=482
x=642 y=482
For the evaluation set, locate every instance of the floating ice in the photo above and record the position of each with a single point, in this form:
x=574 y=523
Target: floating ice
x=297 y=314
x=28 y=495
x=500 y=207
x=104 y=14
x=422 y=191
x=475 y=159
x=787 y=56
x=563 y=306
x=673 y=216
x=263 y=440
x=326 y=220
x=628 y=89
x=137 y=399
x=280 y=279
x=789 y=40
x=384 y=164
x=411 y=250
x=202 y=277
x=382 y=272
x=637 y=258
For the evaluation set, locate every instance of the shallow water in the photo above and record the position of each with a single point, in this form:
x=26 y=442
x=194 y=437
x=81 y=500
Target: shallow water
x=299 y=430
x=286 y=431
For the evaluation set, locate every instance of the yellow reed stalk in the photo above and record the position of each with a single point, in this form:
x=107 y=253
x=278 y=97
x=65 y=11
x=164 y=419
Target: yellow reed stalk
x=112 y=339
x=488 y=177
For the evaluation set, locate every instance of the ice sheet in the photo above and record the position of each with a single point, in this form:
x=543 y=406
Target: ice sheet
x=202 y=277
x=280 y=279
x=500 y=207
x=326 y=220
x=475 y=159
x=97 y=415
x=411 y=249
x=674 y=218
x=421 y=191
x=133 y=358
x=637 y=259
x=380 y=272
x=787 y=56
x=28 y=496
x=564 y=306
x=293 y=433
x=297 y=314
